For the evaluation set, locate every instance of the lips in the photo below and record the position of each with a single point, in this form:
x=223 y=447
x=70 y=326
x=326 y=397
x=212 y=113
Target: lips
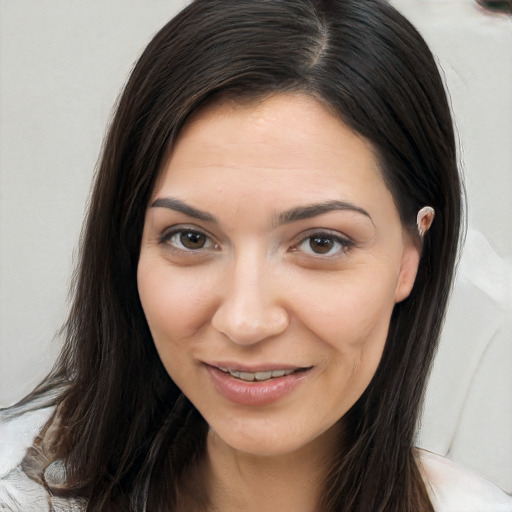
x=261 y=386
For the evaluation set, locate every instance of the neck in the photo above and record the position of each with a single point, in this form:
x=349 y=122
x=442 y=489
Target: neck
x=252 y=483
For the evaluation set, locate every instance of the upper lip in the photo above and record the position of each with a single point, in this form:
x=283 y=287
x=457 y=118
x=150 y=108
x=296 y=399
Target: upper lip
x=254 y=368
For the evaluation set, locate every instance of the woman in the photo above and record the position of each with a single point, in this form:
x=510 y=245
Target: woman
x=264 y=269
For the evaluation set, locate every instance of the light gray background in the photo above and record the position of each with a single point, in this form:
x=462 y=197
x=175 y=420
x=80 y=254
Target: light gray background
x=62 y=64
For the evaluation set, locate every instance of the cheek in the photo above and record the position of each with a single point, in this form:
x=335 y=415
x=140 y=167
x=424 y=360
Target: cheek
x=353 y=315
x=354 y=328
x=173 y=301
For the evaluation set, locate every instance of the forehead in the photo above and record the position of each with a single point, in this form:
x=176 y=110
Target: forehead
x=283 y=130
x=295 y=124
x=287 y=142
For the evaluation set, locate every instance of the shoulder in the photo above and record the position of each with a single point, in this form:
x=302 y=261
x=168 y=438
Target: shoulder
x=454 y=488
x=23 y=422
x=20 y=425
x=18 y=429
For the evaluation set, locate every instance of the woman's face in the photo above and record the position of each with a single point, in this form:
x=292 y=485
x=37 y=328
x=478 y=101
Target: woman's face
x=271 y=260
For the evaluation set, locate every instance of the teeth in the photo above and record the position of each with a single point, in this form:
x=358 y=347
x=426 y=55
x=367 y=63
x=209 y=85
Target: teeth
x=256 y=376
x=263 y=375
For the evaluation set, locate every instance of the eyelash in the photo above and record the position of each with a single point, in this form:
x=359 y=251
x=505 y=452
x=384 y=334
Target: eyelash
x=167 y=237
x=342 y=244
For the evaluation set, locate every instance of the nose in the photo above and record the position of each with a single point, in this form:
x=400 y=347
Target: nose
x=251 y=308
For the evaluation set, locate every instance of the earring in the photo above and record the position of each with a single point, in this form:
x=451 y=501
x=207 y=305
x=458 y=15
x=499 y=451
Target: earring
x=424 y=219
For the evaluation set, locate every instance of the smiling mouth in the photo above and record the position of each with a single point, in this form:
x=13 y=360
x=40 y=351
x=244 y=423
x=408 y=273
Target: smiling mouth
x=260 y=376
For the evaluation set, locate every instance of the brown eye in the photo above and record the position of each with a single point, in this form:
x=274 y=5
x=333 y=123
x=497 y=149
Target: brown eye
x=192 y=240
x=321 y=244
x=324 y=245
x=188 y=240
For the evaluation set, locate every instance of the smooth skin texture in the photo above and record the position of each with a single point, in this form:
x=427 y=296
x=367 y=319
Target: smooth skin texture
x=271 y=241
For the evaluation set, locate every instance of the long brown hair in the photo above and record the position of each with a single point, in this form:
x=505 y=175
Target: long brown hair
x=128 y=433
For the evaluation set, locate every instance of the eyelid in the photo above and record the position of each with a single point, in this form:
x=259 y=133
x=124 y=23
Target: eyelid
x=345 y=242
x=170 y=231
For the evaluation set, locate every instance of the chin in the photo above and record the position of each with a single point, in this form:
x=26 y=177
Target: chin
x=265 y=438
x=260 y=446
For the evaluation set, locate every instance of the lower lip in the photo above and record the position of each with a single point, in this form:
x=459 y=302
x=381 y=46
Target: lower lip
x=257 y=392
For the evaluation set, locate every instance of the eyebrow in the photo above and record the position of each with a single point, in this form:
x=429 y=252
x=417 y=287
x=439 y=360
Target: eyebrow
x=306 y=212
x=286 y=217
x=175 y=204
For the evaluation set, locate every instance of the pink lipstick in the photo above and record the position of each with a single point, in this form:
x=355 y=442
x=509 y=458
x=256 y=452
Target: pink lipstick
x=260 y=387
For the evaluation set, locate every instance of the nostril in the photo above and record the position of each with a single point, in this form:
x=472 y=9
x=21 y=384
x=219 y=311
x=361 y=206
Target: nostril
x=247 y=327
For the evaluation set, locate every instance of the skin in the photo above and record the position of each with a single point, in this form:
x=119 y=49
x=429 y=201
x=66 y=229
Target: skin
x=256 y=291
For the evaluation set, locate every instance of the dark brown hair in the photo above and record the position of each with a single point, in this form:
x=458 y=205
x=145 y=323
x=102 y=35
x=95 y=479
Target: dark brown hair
x=128 y=433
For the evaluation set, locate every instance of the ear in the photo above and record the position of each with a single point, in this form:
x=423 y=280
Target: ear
x=408 y=270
